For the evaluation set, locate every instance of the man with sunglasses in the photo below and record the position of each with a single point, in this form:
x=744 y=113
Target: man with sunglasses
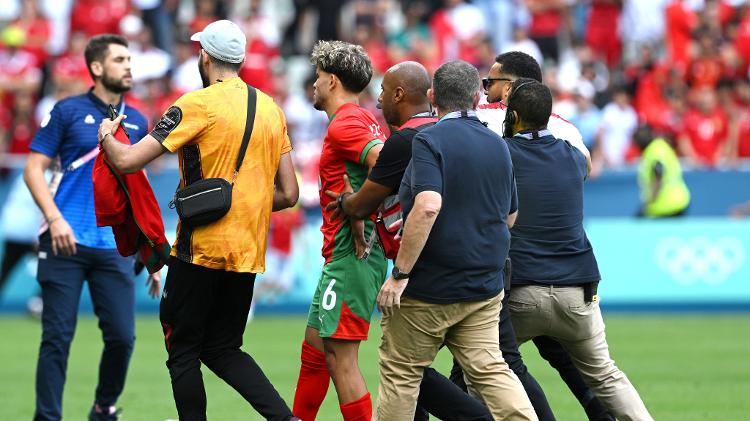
x=556 y=273
x=509 y=67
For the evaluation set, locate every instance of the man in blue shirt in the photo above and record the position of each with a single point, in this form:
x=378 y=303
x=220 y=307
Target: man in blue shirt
x=72 y=248
x=555 y=274
x=449 y=267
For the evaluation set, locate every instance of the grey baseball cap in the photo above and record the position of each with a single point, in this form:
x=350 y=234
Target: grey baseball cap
x=223 y=40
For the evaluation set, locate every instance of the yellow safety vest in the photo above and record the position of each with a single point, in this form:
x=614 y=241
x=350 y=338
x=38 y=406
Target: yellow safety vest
x=674 y=195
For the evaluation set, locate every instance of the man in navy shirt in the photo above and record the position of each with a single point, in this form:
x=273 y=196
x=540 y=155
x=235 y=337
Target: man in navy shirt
x=555 y=274
x=449 y=268
x=72 y=248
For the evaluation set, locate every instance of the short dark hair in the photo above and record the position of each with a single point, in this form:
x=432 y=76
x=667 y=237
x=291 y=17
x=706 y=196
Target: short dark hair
x=454 y=85
x=532 y=102
x=224 y=65
x=643 y=136
x=520 y=64
x=349 y=62
x=98 y=48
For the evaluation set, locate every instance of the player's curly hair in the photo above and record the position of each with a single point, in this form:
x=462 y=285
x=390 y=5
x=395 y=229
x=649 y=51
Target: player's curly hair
x=349 y=62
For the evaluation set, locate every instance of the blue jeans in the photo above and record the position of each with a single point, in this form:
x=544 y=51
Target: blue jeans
x=110 y=278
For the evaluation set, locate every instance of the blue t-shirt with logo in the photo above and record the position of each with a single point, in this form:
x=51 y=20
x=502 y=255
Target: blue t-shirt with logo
x=470 y=167
x=70 y=132
x=548 y=243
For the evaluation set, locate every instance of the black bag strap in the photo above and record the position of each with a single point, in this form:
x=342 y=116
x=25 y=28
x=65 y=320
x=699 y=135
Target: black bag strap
x=251 y=100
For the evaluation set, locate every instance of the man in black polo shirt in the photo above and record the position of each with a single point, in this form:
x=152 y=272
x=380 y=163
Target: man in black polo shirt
x=405 y=106
x=449 y=267
x=555 y=273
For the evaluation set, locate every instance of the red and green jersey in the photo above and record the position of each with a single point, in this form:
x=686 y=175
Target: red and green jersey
x=352 y=132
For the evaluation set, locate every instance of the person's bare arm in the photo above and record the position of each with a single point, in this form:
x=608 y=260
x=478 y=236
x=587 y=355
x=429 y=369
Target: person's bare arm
x=287 y=189
x=359 y=204
x=358 y=226
x=578 y=144
x=512 y=219
x=63 y=239
x=128 y=158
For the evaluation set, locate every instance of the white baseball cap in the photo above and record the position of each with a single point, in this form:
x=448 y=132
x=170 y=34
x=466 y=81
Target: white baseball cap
x=223 y=40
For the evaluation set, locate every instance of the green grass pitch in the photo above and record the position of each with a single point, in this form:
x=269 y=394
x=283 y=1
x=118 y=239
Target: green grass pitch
x=694 y=367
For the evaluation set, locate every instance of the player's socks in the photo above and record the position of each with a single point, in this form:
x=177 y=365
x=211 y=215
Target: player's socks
x=312 y=384
x=359 y=410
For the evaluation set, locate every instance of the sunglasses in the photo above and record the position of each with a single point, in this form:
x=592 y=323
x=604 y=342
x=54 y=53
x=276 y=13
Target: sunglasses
x=487 y=82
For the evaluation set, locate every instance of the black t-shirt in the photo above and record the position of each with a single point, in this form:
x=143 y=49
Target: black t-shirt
x=548 y=244
x=470 y=167
x=396 y=153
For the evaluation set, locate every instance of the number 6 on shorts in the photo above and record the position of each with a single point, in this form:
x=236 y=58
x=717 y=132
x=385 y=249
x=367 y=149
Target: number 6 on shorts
x=329 y=296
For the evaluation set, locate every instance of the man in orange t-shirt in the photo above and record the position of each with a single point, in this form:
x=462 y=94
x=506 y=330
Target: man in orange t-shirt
x=212 y=269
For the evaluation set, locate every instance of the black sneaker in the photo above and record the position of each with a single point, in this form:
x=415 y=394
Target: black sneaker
x=109 y=414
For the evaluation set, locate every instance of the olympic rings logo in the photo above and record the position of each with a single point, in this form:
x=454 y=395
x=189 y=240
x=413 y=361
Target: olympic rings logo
x=700 y=259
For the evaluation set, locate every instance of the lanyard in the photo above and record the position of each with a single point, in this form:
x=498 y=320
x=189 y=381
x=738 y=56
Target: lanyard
x=534 y=134
x=78 y=163
x=459 y=114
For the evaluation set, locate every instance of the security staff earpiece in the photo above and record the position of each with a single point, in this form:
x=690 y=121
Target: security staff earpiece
x=510 y=114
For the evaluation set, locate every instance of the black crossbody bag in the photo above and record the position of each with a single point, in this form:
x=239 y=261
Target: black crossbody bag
x=207 y=201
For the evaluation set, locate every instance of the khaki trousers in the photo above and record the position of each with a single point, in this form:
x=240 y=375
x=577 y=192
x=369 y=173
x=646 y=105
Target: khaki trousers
x=412 y=337
x=562 y=313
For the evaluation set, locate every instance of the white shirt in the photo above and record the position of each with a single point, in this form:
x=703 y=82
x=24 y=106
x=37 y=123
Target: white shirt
x=494 y=115
x=186 y=77
x=618 y=125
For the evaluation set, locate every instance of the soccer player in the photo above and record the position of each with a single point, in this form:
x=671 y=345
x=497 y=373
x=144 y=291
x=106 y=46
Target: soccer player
x=353 y=273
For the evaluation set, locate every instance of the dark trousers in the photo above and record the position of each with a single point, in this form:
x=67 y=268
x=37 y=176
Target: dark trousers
x=446 y=403
x=113 y=293
x=12 y=255
x=204 y=313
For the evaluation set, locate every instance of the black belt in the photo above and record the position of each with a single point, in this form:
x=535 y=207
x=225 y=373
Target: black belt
x=590 y=292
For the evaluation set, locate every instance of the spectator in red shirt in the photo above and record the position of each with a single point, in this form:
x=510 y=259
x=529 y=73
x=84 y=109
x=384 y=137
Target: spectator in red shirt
x=602 y=30
x=680 y=21
x=22 y=127
x=37 y=29
x=546 y=21
x=705 y=130
x=19 y=70
x=742 y=38
x=373 y=40
x=415 y=42
x=72 y=63
x=707 y=68
x=94 y=17
x=739 y=129
x=206 y=11
x=459 y=28
x=262 y=54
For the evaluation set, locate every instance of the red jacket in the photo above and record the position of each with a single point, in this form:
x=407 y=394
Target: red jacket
x=127 y=203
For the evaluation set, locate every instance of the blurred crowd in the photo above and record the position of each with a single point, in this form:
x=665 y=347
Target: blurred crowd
x=680 y=66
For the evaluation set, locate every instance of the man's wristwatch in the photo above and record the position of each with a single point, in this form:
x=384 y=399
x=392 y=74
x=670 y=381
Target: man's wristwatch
x=398 y=275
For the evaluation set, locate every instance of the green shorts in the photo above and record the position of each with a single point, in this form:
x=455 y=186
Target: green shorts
x=345 y=297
